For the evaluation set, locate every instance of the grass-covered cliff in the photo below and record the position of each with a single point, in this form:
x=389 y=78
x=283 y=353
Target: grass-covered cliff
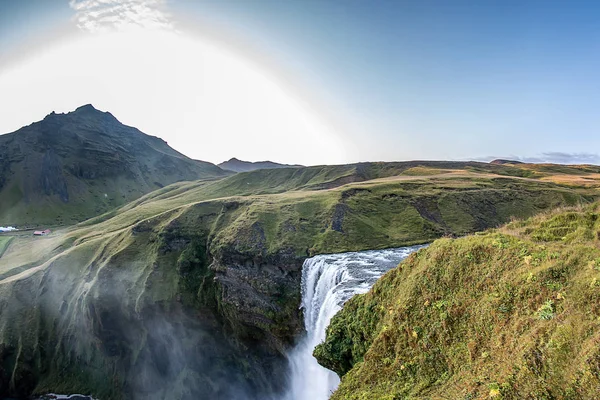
x=511 y=313
x=194 y=288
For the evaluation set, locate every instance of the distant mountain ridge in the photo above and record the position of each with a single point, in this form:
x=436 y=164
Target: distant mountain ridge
x=236 y=165
x=69 y=167
x=501 y=161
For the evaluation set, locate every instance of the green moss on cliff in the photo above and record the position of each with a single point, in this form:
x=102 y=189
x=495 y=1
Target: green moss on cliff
x=510 y=313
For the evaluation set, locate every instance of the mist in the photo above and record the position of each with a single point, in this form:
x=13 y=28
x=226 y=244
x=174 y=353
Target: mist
x=88 y=323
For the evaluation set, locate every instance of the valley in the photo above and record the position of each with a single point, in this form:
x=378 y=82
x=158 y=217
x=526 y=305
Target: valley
x=299 y=200
x=208 y=272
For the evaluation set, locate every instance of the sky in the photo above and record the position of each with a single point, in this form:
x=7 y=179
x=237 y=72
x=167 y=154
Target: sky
x=316 y=81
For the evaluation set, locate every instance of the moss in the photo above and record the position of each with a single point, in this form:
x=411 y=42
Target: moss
x=507 y=314
x=196 y=279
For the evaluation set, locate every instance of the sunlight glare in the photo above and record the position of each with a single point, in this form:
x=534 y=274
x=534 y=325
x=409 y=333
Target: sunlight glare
x=204 y=100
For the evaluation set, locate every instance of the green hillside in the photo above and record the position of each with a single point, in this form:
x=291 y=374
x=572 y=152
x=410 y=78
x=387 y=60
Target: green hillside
x=206 y=274
x=510 y=313
x=70 y=167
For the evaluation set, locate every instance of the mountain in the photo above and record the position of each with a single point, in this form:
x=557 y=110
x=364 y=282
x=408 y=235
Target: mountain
x=501 y=161
x=511 y=313
x=69 y=167
x=193 y=290
x=236 y=165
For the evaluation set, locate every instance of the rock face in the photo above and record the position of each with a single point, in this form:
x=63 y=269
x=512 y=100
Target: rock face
x=69 y=167
x=236 y=165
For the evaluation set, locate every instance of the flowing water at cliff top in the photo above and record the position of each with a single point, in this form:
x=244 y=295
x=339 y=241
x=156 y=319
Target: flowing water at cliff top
x=328 y=281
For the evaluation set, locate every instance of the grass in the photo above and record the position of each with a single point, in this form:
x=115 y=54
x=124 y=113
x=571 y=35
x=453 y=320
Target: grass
x=96 y=196
x=510 y=313
x=230 y=252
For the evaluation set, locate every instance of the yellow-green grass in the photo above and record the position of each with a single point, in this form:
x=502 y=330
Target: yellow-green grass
x=380 y=213
x=92 y=198
x=510 y=313
x=427 y=171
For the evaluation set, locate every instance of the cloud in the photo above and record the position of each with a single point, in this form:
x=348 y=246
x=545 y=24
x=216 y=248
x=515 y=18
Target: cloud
x=572 y=158
x=555 y=157
x=121 y=15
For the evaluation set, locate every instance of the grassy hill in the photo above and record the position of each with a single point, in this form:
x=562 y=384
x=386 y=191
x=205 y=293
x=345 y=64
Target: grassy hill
x=206 y=274
x=70 y=167
x=236 y=165
x=510 y=313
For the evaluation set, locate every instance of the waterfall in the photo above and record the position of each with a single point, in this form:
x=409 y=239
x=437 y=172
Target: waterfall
x=328 y=281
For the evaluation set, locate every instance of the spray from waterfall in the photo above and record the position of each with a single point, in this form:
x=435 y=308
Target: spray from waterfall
x=328 y=281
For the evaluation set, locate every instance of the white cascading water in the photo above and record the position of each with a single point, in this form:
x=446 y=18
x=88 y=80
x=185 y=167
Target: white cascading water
x=328 y=281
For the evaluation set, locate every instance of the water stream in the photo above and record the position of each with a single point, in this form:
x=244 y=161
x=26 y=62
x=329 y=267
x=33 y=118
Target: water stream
x=328 y=281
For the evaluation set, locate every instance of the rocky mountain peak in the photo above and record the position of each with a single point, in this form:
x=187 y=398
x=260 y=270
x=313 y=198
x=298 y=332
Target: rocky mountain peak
x=89 y=110
x=86 y=111
x=86 y=108
x=72 y=161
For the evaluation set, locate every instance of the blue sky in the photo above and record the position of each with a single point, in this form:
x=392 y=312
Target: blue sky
x=405 y=79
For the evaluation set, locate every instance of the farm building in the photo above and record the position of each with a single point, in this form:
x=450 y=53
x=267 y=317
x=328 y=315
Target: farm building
x=42 y=233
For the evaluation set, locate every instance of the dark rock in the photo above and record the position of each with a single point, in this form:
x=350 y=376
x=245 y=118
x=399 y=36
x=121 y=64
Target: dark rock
x=337 y=220
x=428 y=209
x=52 y=178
